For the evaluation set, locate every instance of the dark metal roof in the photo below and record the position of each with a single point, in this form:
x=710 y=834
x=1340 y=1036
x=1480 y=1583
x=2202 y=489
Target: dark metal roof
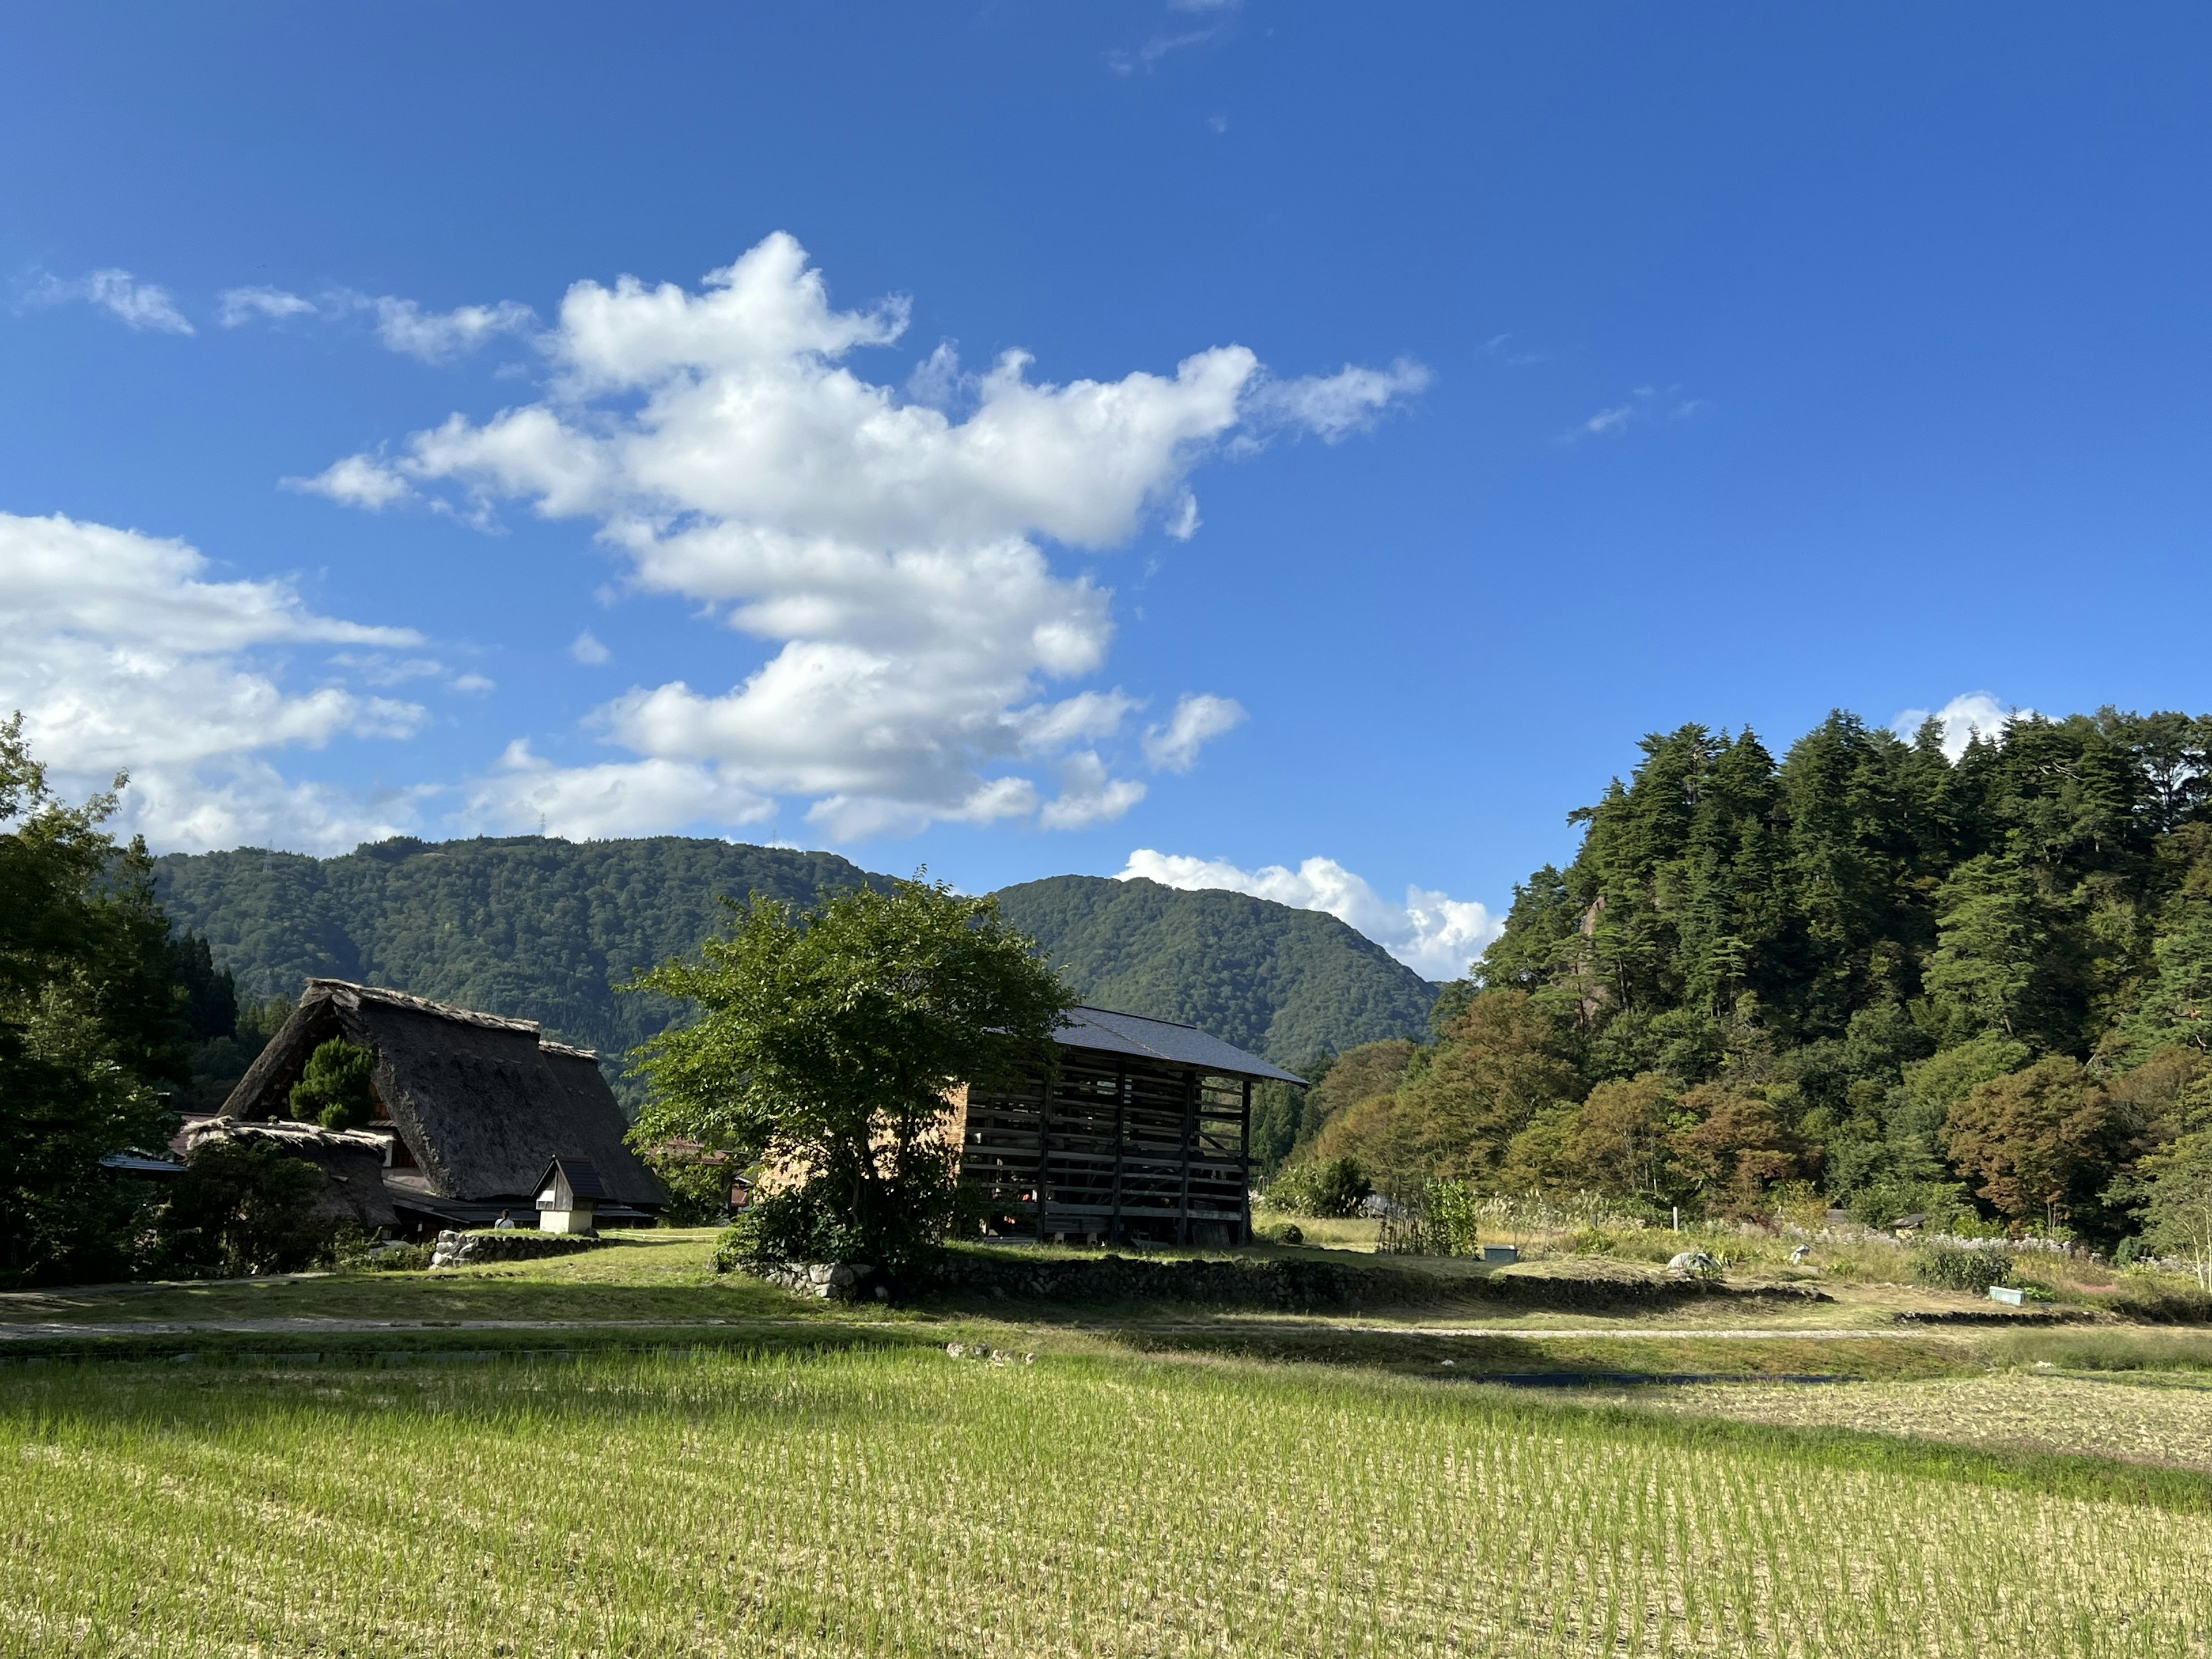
x=583 y=1180
x=1115 y=1033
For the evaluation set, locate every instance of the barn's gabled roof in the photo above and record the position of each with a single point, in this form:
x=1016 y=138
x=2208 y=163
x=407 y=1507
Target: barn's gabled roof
x=1110 y=1031
x=483 y=1102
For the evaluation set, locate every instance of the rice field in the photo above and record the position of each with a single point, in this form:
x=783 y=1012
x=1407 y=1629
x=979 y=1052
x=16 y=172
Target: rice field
x=900 y=1502
x=2146 y=1418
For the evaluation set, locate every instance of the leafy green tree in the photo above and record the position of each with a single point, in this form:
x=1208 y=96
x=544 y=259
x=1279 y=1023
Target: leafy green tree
x=828 y=1044
x=1503 y=1061
x=337 y=1088
x=2178 y=1219
x=1357 y=1074
x=1619 y=1141
x=91 y=1026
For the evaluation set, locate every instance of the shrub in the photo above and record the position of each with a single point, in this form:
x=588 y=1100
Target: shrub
x=796 y=1224
x=1591 y=1241
x=1948 y=1268
x=1333 y=1187
x=335 y=1089
x=243 y=1207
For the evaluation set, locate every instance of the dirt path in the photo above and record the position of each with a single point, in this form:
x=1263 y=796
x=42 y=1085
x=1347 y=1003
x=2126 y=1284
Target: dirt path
x=49 y=1329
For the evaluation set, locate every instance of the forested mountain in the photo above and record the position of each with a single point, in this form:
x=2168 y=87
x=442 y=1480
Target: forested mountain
x=522 y=925
x=1911 y=982
x=1289 y=984
x=546 y=929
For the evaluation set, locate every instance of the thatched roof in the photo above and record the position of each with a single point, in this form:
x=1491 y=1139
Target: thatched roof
x=481 y=1101
x=351 y=1160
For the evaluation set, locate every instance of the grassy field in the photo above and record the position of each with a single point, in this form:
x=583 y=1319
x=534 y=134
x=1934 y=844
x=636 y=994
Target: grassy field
x=900 y=1502
x=796 y=1477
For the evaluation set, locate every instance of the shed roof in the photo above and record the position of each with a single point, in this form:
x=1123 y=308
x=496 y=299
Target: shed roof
x=583 y=1179
x=483 y=1102
x=1110 y=1031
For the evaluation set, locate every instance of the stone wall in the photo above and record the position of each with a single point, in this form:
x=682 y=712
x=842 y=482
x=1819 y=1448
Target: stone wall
x=455 y=1249
x=1294 y=1285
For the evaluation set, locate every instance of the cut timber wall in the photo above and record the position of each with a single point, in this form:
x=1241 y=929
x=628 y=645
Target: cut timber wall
x=1112 y=1148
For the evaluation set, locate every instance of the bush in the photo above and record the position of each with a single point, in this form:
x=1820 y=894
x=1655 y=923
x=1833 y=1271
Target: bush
x=797 y=1223
x=1336 y=1187
x=1949 y=1267
x=243 y=1207
x=335 y=1089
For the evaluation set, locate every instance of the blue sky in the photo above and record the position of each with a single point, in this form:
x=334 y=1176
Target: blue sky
x=1414 y=406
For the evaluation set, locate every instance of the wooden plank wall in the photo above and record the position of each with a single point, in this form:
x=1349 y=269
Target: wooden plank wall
x=1113 y=1150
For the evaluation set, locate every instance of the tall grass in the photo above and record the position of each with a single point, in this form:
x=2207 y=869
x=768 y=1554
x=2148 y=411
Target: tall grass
x=882 y=1503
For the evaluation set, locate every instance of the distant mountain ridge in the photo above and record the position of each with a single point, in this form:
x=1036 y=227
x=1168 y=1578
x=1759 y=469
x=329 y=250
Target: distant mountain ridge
x=1282 y=982
x=542 y=929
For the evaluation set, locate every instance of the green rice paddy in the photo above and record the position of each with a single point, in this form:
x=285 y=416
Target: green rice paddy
x=896 y=1501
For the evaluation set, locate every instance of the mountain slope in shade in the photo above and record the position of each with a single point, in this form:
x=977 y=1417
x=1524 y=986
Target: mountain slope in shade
x=1285 y=983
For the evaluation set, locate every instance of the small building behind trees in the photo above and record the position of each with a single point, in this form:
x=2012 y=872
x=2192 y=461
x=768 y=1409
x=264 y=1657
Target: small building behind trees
x=1140 y=1133
x=470 y=1109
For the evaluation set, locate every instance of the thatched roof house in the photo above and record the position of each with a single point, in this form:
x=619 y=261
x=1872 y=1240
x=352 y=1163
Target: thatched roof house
x=471 y=1107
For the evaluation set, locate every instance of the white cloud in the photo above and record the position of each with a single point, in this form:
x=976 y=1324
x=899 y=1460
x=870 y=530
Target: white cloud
x=122 y=654
x=583 y=803
x=887 y=550
x=436 y=336
x=1089 y=795
x=403 y=325
x=240 y=306
x=1334 y=406
x=357 y=480
x=140 y=305
x=1645 y=406
x=585 y=648
x=1964 y=717
x=1435 y=936
x=1196 y=721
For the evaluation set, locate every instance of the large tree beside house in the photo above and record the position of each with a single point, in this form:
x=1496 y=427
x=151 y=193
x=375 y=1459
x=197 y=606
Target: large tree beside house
x=828 y=1046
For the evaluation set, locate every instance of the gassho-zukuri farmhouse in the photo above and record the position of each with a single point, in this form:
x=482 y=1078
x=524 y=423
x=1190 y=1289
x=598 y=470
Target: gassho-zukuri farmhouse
x=1138 y=1132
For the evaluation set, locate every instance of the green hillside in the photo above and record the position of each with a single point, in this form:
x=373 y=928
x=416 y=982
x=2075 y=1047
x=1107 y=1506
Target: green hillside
x=1282 y=982
x=522 y=925
x=545 y=929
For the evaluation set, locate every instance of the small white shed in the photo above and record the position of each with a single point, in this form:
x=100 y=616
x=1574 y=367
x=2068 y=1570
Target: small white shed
x=567 y=1194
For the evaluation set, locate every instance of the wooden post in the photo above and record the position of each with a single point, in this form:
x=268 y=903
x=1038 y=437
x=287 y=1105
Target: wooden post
x=1245 y=1163
x=1120 y=1139
x=1189 y=1146
x=1044 y=1146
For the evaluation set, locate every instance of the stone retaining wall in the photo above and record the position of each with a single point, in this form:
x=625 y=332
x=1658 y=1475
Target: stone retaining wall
x=1293 y=1286
x=455 y=1249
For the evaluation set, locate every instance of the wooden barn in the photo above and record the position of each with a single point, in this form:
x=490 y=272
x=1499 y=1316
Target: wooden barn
x=1139 y=1133
x=471 y=1109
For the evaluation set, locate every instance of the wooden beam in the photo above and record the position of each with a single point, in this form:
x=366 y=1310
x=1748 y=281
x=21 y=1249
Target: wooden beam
x=1245 y=1163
